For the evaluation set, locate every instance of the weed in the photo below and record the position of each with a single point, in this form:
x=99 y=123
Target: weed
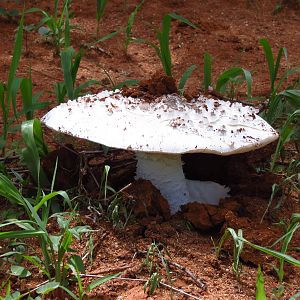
x=260 y=288
x=35 y=149
x=284 y=102
x=8 y=92
x=240 y=241
x=207 y=71
x=287 y=131
x=70 y=62
x=238 y=245
x=119 y=213
x=289 y=183
x=130 y=22
x=228 y=82
x=163 y=36
x=99 y=13
x=152 y=283
x=57 y=27
x=186 y=75
x=157 y=256
x=57 y=256
x=289 y=231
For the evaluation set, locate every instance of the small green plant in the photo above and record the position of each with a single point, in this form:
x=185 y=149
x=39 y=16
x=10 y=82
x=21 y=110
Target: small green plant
x=99 y=13
x=286 y=101
x=9 y=90
x=70 y=62
x=130 y=22
x=289 y=231
x=163 y=36
x=185 y=76
x=290 y=183
x=228 y=82
x=207 y=66
x=238 y=245
x=260 y=286
x=240 y=241
x=35 y=149
x=57 y=257
x=56 y=26
x=118 y=211
x=152 y=283
x=156 y=261
x=289 y=128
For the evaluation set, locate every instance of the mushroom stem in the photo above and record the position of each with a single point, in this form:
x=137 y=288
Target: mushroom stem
x=165 y=172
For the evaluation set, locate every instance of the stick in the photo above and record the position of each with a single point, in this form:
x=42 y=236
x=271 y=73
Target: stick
x=198 y=281
x=144 y=281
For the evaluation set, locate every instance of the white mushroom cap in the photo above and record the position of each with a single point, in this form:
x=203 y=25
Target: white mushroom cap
x=167 y=125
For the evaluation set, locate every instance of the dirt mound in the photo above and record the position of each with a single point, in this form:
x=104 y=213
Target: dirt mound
x=147 y=200
x=149 y=89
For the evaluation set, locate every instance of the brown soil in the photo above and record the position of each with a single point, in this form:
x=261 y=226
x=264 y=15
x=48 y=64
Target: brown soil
x=156 y=86
x=229 y=31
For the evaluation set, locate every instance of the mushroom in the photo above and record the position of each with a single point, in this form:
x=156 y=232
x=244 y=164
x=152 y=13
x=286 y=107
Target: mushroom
x=161 y=130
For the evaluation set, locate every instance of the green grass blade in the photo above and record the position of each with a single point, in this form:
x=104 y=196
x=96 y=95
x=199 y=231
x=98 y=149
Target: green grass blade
x=16 y=55
x=128 y=82
x=10 y=192
x=26 y=92
x=66 y=62
x=286 y=132
x=274 y=253
x=248 y=78
x=100 y=281
x=13 y=94
x=207 y=71
x=270 y=60
x=52 y=195
x=293 y=97
x=83 y=86
x=277 y=63
x=182 y=19
x=105 y=38
x=285 y=76
x=128 y=29
x=260 y=288
x=101 y=4
x=67 y=25
x=184 y=78
x=69 y=292
x=48 y=287
x=60 y=91
x=163 y=38
x=75 y=65
x=100 y=9
x=226 y=76
x=33 y=137
x=21 y=234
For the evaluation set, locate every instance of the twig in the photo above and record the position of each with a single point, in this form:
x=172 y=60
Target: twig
x=9 y=158
x=34 y=289
x=144 y=280
x=184 y=269
x=200 y=283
